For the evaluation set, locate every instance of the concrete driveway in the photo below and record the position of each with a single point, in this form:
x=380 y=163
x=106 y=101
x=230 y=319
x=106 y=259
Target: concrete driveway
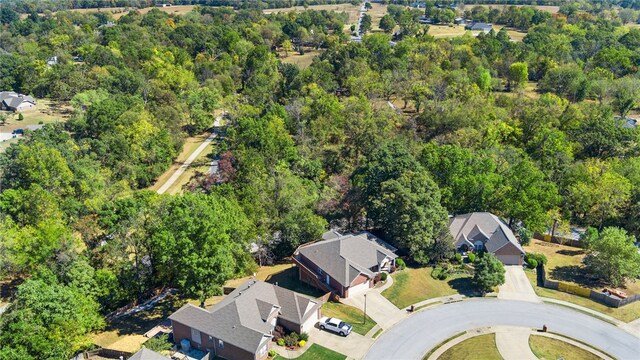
x=354 y=346
x=378 y=308
x=517 y=285
x=414 y=336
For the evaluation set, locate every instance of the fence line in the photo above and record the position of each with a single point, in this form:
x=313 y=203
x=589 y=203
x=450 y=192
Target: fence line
x=611 y=301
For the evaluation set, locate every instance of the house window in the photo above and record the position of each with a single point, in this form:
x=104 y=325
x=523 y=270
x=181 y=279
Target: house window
x=478 y=245
x=195 y=336
x=221 y=344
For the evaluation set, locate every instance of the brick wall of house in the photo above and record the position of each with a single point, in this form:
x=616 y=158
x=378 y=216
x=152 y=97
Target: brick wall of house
x=209 y=343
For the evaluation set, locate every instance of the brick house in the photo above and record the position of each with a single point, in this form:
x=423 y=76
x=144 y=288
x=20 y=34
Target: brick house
x=240 y=326
x=344 y=264
x=483 y=231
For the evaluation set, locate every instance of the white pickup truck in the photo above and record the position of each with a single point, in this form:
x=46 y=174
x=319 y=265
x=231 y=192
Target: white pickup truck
x=335 y=325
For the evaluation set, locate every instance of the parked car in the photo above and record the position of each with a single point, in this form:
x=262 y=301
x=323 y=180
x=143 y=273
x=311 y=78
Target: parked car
x=336 y=325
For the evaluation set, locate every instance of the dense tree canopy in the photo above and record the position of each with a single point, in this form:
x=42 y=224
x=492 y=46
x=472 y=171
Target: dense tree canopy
x=389 y=134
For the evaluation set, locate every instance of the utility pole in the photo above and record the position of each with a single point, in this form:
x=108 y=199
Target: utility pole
x=365 y=308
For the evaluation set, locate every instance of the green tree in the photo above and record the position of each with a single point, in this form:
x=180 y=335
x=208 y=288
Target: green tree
x=387 y=23
x=287 y=46
x=518 y=75
x=596 y=193
x=408 y=211
x=525 y=195
x=625 y=94
x=489 y=273
x=365 y=24
x=48 y=320
x=613 y=257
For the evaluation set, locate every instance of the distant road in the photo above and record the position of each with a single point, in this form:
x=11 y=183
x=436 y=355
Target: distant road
x=176 y=175
x=422 y=331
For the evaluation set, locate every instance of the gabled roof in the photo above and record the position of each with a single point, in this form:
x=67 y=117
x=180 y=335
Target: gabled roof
x=482 y=226
x=13 y=99
x=479 y=26
x=241 y=318
x=146 y=354
x=345 y=257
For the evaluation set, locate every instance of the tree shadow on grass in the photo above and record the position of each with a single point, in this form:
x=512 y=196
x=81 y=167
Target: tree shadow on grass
x=464 y=286
x=574 y=273
x=570 y=252
x=143 y=321
x=289 y=279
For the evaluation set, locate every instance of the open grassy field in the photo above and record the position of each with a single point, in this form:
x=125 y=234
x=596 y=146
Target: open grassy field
x=302 y=61
x=413 y=285
x=548 y=8
x=446 y=31
x=316 y=352
x=350 y=314
x=119 y=12
x=377 y=12
x=478 y=347
x=546 y=348
x=46 y=112
x=351 y=10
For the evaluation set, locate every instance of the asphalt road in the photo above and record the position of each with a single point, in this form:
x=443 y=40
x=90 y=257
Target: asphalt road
x=413 y=337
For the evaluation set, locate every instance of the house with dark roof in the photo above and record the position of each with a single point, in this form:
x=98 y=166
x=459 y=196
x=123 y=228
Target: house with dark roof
x=11 y=101
x=146 y=354
x=479 y=26
x=240 y=326
x=483 y=231
x=344 y=264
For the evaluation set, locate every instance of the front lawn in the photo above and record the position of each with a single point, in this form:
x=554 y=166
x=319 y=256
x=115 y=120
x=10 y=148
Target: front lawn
x=350 y=314
x=413 y=285
x=316 y=352
x=545 y=348
x=478 y=347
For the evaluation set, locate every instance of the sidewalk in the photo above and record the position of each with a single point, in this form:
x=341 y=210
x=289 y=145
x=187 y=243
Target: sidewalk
x=513 y=343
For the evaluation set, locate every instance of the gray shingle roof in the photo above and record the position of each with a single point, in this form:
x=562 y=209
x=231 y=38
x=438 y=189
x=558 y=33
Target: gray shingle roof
x=479 y=26
x=13 y=100
x=482 y=226
x=345 y=257
x=241 y=317
x=146 y=354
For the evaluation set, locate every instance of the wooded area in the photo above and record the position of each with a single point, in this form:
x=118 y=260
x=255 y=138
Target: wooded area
x=81 y=234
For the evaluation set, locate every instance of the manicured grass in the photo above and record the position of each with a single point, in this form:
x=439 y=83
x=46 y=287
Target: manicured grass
x=378 y=333
x=481 y=347
x=413 y=285
x=350 y=314
x=317 y=352
x=626 y=313
x=546 y=348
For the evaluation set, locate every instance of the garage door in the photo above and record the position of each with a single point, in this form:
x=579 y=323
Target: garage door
x=310 y=323
x=510 y=259
x=358 y=289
